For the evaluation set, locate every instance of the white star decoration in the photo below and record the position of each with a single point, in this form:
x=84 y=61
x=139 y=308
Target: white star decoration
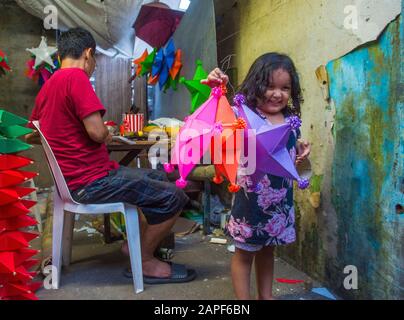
x=43 y=53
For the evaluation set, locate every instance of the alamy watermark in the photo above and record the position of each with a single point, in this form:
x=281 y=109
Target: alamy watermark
x=51 y=273
x=51 y=19
x=351 y=280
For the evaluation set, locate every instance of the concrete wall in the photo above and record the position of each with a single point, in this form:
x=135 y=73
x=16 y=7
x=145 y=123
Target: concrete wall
x=196 y=37
x=356 y=221
x=20 y=30
x=368 y=150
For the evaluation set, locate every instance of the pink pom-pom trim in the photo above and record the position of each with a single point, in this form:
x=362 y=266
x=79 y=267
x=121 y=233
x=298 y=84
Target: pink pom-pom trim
x=181 y=183
x=169 y=168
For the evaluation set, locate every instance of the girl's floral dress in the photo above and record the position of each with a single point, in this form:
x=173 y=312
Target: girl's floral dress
x=264 y=215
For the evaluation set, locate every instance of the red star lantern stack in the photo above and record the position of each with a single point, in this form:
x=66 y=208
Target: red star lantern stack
x=15 y=255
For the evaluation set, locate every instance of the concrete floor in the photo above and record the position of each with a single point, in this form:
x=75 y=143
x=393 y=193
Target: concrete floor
x=96 y=273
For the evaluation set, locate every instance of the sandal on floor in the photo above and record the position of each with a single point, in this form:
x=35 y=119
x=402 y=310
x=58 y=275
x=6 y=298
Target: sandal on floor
x=44 y=263
x=179 y=274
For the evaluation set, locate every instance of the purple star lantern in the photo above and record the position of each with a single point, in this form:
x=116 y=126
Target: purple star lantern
x=272 y=156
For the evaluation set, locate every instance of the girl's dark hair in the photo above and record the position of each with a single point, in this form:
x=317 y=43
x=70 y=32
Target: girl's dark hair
x=259 y=78
x=73 y=42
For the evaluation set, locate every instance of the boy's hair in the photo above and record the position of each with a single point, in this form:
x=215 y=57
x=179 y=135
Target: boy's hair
x=259 y=77
x=73 y=42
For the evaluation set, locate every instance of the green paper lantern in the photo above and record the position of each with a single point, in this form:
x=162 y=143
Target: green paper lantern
x=173 y=84
x=8 y=146
x=199 y=92
x=14 y=131
x=147 y=64
x=9 y=119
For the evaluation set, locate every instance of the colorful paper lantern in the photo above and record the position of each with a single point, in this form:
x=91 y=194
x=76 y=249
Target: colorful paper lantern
x=9 y=162
x=9 y=119
x=14 y=131
x=138 y=62
x=15 y=240
x=163 y=62
x=8 y=196
x=271 y=155
x=214 y=118
x=4 y=66
x=13 y=210
x=12 y=145
x=13 y=177
x=147 y=64
x=18 y=222
x=15 y=257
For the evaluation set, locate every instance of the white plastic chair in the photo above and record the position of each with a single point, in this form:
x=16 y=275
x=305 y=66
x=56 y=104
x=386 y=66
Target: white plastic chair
x=63 y=201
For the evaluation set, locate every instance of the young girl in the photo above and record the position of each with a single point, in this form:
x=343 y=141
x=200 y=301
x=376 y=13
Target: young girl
x=263 y=217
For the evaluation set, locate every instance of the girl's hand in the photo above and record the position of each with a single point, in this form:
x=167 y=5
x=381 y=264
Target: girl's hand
x=216 y=78
x=303 y=151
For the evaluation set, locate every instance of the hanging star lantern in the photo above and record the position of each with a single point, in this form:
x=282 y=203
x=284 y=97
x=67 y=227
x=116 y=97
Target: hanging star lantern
x=199 y=92
x=213 y=121
x=4 y=66
x=138 y=62
x=43 y=54
x=163 y=62
x=147 y=63
x=272 y=156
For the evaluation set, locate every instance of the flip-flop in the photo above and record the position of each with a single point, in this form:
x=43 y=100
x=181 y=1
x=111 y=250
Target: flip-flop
x=179 y=274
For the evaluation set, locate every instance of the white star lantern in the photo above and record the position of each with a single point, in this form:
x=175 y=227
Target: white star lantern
x=43 y=53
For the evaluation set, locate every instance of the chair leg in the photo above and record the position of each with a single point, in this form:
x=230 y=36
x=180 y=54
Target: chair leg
x=133 y=234
x=35 y=209
x=107 y=228
x=206 y=207
x=57 y=239
x=67 y=238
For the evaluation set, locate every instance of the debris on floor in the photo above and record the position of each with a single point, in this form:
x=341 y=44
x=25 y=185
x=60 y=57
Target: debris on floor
x=184 y=226
x=218 y=241
x=324 y=292
x=289 y=281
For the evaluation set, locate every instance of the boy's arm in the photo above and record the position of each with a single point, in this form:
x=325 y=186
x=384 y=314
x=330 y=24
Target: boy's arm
x=96 y=128
x=33 y=138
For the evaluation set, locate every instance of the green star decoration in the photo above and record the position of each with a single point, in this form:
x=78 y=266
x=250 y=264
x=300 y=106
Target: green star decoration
x=148 y=63
x=199 y=92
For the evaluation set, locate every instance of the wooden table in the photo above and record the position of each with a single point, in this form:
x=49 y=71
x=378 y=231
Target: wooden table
x=133 y=150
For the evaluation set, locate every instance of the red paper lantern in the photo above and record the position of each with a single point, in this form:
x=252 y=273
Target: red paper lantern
x=13 y=289
x=13 y=210
x=8 y=195
x=15 y=240
x=20 y=274
x=9 y=162
x=23 y=255
x=30 y=263
x=10 y=178
x=25 y=296
x=16 y=223
x=15 y=256
x=7 y=262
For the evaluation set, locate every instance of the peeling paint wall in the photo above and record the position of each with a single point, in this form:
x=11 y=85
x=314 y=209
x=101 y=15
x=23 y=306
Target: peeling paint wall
x=368 y=152
x=355 y=222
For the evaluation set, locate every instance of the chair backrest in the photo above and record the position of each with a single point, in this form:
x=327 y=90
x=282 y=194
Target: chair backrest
x=59 y=180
